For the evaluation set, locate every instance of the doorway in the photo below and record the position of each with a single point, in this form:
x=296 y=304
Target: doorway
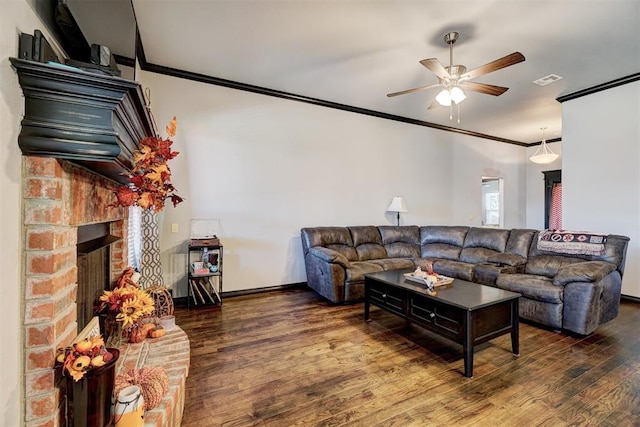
x=553 y=199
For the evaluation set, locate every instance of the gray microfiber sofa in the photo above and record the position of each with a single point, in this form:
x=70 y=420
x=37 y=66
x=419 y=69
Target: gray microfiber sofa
x=577 y=293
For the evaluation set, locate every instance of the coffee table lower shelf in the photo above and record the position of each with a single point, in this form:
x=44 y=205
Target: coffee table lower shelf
x=465 y=313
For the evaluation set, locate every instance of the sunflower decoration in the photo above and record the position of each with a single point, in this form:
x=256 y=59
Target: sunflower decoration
x=127 y=304
x=150 y=177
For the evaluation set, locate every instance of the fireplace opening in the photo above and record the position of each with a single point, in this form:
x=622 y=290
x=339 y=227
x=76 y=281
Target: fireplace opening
x=94 y=261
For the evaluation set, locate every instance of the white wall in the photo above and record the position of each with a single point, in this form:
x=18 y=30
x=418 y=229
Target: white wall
x=601 y=169
x=265 y=167
x=16 y=17
x=535 y=185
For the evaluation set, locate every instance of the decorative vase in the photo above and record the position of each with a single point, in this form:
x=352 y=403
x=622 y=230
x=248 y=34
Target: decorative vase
x=112 y=330
x=128 y=407
x=89 y=399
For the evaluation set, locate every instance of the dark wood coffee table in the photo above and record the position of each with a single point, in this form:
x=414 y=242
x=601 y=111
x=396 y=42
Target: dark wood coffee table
x=464 y=312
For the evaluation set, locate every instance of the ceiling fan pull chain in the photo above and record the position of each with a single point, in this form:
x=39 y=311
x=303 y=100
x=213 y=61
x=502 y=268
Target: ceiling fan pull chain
x=451 y=111
x=458 y=105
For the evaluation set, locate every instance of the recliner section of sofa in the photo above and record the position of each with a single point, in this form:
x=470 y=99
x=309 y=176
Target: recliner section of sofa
x=573 y=292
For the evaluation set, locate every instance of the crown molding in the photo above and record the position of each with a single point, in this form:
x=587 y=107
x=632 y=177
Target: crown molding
x=203 y=78
x=599 y=88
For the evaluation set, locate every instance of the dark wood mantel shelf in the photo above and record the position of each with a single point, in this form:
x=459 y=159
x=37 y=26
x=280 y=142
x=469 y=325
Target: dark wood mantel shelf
x=90 y=119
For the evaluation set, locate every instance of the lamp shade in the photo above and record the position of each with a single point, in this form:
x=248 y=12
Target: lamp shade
x=543 y=154
x=397 y=205
x=446 y=96
x=544 y=158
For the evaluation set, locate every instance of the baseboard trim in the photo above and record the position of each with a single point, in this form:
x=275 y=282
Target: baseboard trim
x=244 y=292
x=182 y=301
x=630 y=298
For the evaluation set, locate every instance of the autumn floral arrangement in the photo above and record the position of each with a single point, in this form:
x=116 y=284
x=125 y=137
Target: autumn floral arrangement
x=81 y=357
x=150 y=177
x=126 y=308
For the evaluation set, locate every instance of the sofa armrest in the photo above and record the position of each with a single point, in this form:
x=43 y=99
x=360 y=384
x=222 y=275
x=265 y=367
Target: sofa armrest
x=329 y=255
x=588 y=271
x=512 y=260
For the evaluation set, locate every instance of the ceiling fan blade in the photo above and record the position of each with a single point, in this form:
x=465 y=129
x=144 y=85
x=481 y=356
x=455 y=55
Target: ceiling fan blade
x=434 y=104
x=484 y=88
x=417 y=89
x=436 y=68
x=498 y=64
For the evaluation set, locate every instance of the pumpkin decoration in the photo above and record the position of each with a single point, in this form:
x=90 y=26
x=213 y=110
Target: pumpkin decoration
x=157 y=331
x=138 y=334
x=152 y=380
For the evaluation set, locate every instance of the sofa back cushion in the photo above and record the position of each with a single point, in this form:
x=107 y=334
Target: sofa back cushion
x=442 y=242
x=335 y=238
x=367 y=242
x=482 y=243
x=401 y=242
x=548 y=265
x=520 y=241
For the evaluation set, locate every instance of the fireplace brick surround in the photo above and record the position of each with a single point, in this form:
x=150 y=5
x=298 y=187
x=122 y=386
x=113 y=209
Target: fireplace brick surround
x=75 y=120
x=58 y=197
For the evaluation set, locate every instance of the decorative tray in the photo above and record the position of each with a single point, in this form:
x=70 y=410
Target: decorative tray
x=442 y=280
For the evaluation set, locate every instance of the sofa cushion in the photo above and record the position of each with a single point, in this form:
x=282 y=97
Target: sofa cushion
x=548 y=265
x=442 y=242
x=490 y=238
x=534 y=287
x=367 y=242
x=358 y=269
x=455 y=269
x=401 y=242
x=323 y=236
x=520 y=241
x=328 y=255
x=393 y=263
x=476 y=255
x=363 y=234
x=452 y=235
x=589 y=271
x=348 y=252
x=336 y=238
x=440 y=251
x=507 y=259
x=486 y=274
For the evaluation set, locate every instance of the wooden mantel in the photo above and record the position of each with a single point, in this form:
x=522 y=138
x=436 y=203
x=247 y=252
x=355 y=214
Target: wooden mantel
x=90 y=119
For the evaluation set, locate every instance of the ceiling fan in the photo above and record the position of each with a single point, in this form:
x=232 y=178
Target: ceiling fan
x=454 y=78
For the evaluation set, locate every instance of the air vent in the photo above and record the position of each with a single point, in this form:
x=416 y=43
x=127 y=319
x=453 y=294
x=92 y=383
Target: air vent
x=543 y=81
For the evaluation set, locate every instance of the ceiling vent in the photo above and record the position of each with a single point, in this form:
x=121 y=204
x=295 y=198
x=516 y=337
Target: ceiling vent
x=543 y=81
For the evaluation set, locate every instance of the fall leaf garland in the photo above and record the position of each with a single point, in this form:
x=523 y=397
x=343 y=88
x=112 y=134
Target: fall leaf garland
x=150 y=177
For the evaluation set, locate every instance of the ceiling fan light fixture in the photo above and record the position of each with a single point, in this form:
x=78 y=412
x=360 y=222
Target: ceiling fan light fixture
x=447 y=96
x=457 y=95
x=543 y=154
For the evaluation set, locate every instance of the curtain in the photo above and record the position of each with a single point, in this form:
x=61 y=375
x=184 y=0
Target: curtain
x=555 y=210
x=134 y=237
x=150 y=266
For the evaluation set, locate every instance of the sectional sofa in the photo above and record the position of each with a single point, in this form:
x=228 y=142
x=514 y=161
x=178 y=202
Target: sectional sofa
x=566 y=291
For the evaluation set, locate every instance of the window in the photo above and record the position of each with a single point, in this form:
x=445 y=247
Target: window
x=492 y=203
x=134 y=237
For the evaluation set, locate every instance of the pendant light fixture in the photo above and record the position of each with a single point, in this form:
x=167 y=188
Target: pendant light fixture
x=543 y=154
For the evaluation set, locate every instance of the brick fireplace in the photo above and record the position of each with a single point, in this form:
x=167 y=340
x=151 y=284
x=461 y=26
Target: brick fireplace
x=58 y=197
x=77 y=137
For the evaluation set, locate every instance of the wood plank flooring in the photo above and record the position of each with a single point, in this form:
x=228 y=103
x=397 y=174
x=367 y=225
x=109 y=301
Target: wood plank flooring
x=289 y=358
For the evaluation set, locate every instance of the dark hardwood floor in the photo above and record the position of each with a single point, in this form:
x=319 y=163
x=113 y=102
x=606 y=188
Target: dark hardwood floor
x=288 y=358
